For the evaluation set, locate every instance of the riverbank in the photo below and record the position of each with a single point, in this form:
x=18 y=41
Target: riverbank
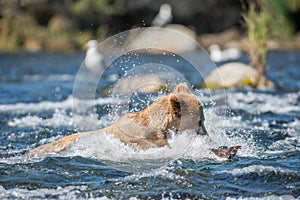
x=65 y=26
x=70 y=42
x=235 y=38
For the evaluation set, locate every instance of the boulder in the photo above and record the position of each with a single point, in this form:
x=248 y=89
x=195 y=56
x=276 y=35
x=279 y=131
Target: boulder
x=142 y=83
x=230 y=75
x=174 y=38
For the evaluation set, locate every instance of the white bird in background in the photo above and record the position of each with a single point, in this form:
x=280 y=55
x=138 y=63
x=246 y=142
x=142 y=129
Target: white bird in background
x=218 y=55
x=93 y=59
x=164 y=16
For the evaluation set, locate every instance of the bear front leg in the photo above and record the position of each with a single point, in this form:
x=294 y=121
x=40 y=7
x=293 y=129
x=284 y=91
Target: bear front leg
x=54 y=147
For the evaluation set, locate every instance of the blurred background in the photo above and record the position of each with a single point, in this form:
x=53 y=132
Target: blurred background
x=66 y=25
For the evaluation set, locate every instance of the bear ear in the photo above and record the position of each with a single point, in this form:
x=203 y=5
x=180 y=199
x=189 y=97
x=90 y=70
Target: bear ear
x=182 y=88
x=174 y=105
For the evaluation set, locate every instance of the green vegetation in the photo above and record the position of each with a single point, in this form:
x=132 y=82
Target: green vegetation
x=258 y=34
x=62 y=26
x=265 y=20
x=14 y=31
x=105 y=7
x=23 y=31
x=281 y=23
x=66 y=25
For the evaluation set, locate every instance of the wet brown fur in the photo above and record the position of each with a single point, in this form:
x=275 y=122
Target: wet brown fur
x=178 y=111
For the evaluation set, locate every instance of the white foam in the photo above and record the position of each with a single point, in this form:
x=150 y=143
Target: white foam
x=106 y=147
x=69 y=192
x=186 y=145
x=216 y=125
x=61 y=77
x=49 y=105
x=257 y=103
x=268 y=197
x=259 y=169
x=60 y=118
x=56 y=77
x=112 y=151
x=164 y=171
x=289 y=144
x=295 y=124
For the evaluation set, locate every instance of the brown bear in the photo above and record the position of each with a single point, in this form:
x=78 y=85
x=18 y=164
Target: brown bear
x=178 y=111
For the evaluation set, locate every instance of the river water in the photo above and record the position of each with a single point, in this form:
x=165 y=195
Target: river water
x=37 y=107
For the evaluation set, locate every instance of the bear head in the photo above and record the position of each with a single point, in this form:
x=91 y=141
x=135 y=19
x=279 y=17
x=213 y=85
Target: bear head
x=185 y=111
